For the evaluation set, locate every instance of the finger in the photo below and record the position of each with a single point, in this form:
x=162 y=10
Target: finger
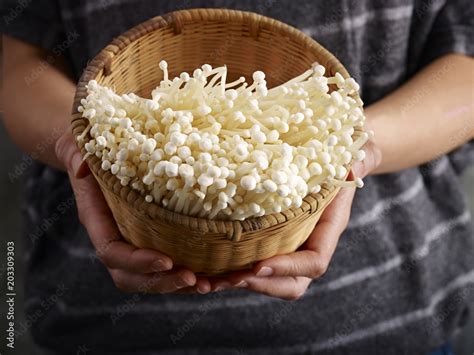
x=312 y=260
x=202 y=286
x=288 y=288
x=373 y=158
x=120 y=255
x=164 y=282
x=232 y=280
x=68 y=153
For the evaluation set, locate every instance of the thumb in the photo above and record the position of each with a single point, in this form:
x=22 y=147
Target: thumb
x=373 y=158
x=69 y=155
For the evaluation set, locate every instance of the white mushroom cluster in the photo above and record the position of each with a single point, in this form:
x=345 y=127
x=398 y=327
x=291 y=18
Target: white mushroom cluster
x=205 y=147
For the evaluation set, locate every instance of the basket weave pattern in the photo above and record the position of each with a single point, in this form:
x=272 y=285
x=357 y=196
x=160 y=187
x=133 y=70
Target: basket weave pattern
x=186 y=39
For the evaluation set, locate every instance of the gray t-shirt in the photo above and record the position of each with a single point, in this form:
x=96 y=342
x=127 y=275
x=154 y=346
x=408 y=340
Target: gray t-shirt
x=402 y=273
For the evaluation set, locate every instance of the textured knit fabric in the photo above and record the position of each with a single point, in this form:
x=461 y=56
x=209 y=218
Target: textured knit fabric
x=446 y=349
x=403 y=270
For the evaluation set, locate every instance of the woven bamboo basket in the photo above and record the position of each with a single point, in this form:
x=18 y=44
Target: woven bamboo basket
x=245 y=42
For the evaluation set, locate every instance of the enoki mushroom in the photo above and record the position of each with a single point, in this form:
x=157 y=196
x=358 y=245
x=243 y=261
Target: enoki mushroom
x=207 y=148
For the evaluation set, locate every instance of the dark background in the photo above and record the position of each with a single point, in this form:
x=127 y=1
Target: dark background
x=10 y=229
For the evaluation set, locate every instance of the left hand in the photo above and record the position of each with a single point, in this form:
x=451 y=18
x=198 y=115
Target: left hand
x=288 y=276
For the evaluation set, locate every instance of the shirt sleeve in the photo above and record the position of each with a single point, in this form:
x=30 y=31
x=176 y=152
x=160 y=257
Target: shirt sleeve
x=36 y=22
x=453 y=32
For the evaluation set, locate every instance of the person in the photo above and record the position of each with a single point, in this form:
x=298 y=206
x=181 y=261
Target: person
x=397 y=281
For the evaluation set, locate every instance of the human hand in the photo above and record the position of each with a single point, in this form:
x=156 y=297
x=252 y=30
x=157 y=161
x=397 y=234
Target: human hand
x=288 y=276
x=132 y=269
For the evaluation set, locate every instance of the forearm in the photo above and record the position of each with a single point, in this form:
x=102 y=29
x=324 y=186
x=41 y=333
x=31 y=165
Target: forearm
x=428 y=116
x=37 y=100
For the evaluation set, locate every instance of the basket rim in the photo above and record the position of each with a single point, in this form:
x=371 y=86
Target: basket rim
x=177 y=19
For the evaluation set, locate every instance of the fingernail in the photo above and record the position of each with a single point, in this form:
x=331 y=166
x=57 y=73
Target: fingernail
x=241 y=284
x=180 y=283
x=265 y=271
x=76 y=162
x=202 y=291
x=222 y=287
x=159 y=265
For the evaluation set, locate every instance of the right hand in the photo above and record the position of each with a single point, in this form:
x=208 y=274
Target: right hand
x=132 y=269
